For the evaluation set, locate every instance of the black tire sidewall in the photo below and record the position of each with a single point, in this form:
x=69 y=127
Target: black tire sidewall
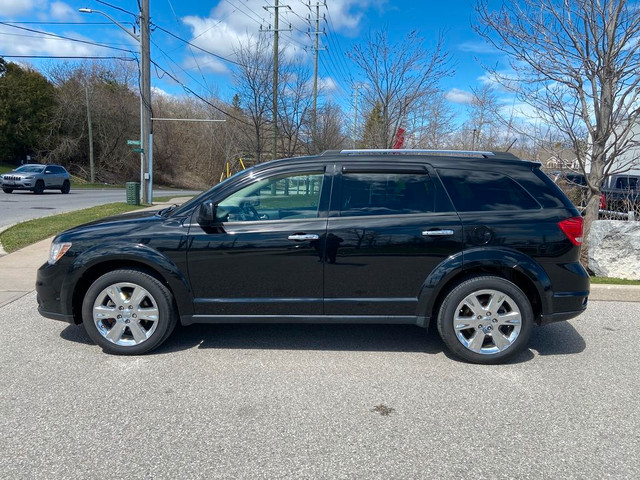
x=458 y=293
x=66 y=187
x=164 y=300
x=39 y=187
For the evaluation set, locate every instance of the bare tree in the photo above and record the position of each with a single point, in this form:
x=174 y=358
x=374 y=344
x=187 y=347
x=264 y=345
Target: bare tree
x=253 y=80
x=294 y=105
x=399 y=76
x=433 y=125
x=576 y=64
x=329 y=129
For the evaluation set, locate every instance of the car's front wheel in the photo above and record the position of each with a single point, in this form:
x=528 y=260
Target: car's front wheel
x=7 y=190
x=128 y=312
x=39 y=187
x=485 y=320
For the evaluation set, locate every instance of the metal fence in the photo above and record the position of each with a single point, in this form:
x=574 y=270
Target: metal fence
x=619 y=205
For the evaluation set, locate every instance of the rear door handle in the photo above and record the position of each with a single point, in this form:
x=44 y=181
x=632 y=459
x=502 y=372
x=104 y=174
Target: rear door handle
x=437 y=233
x=300 y=237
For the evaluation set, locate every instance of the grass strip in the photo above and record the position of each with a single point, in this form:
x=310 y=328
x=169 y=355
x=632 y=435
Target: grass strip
x=613 y=281
x=32 y=231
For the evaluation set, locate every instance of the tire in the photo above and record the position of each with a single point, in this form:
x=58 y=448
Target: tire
x=7 y=190
x=39 y=187
x=476 y=334
x=66 y=187
x=118 y=312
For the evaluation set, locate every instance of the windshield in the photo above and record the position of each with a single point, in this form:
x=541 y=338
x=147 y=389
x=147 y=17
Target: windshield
x=186 y=206
x=30 y=168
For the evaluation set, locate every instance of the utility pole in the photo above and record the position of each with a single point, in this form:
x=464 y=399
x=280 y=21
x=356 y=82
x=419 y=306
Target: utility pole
x=92 y=168
x=314 y=118
x=276 y=25
x=355 y=114
x=146 y=126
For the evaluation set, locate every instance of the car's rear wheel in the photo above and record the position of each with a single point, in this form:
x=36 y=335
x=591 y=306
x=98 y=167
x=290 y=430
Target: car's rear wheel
x=7 y=190
x=128 y=312
x=485 y=320
x=39 y=187
x=66 y=187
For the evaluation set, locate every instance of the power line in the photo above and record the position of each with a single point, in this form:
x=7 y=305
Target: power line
x=65 y=38
x=119 y=8
x=127 y=59
x=187 y=89
x=195 y=46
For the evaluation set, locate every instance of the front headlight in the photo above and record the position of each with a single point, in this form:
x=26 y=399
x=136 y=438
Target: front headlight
x=28 y=178
x=58 y=249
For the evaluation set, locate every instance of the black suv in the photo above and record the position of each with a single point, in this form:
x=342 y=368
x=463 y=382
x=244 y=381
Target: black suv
x=482 y=243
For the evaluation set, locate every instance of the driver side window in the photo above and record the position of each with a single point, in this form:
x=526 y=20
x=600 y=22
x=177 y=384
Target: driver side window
x=283 y=197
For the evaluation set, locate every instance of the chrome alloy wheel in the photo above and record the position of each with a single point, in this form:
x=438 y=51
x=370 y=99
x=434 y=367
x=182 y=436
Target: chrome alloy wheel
x=487 y=321
x=125 y=314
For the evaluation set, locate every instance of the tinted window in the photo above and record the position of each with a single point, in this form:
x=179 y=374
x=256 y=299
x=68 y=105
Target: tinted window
x=386 y=194
x=473 y=191
x=275 y=198
x=30 y=168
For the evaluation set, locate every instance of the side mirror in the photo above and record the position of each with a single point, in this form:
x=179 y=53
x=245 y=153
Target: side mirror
x=207 y=214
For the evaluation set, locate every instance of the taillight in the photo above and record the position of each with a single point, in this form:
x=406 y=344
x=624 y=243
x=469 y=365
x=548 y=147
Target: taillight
x=603 y=202
x=572 y=228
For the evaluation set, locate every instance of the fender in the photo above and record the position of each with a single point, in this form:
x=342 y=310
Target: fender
x=124 y=252
x=491 y=258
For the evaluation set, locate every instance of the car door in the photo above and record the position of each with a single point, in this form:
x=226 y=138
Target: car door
x=263 y=256
x=389 y=228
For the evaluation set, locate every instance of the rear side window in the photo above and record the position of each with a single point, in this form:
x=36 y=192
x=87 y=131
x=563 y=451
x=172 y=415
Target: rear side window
x=386 y=194
x=473 y=191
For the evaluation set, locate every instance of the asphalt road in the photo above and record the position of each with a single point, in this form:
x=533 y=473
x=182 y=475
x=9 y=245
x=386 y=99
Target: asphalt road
x=20 y=206
x=274 y=401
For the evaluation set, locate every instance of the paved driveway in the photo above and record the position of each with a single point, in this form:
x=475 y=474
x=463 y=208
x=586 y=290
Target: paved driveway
x=21 y=206
x=242 y=401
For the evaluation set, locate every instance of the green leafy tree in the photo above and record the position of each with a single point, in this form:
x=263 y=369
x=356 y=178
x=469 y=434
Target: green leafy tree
x=27 y=100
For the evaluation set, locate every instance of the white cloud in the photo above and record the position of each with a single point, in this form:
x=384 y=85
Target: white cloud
x=328 y=85
x=61 y=11
x=20 y=42
x=478 y=47
x=456 y=95
x=16 y=7
x=230 y=24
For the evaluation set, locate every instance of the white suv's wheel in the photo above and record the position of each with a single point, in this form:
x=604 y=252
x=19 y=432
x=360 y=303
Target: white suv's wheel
x=485 y=320
x=128 y=312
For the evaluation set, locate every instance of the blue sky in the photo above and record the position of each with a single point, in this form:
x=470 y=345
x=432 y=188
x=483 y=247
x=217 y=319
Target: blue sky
x=217 y=26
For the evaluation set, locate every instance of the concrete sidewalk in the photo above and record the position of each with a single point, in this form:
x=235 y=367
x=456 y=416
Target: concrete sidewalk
x=18 y=273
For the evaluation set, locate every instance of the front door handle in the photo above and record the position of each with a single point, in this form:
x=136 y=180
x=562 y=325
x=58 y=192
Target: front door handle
x=300 y=237
x=437 y=233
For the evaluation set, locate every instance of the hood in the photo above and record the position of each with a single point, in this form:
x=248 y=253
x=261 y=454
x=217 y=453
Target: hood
x=123 y=224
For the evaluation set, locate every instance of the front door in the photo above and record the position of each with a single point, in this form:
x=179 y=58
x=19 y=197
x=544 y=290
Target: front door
x=264 y=257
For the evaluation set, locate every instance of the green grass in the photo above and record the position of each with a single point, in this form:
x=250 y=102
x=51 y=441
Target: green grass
x=4 y=168
x=26 y=233
x=613 y=281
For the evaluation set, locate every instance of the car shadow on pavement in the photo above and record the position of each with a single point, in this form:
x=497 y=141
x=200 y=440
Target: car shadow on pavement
x=332 y=337
x=555 y=339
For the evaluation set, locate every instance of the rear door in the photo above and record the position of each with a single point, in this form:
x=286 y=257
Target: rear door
x=389 y=227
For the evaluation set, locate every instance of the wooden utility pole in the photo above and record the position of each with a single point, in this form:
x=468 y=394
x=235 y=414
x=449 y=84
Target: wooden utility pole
x=276 y=24
x=316 y=48
x=92 y=167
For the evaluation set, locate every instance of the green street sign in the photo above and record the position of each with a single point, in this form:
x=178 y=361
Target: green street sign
x=137 y=150
x=133 y=142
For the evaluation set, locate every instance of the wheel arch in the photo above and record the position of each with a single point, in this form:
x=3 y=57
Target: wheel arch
x=164 y=271
x=514 y=266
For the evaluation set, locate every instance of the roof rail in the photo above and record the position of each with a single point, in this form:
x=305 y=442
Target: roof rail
x=408 y=151
x=450 y=153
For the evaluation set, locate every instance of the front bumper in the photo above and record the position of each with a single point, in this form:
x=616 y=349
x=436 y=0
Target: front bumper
x=19 y=184
x=54 y=299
